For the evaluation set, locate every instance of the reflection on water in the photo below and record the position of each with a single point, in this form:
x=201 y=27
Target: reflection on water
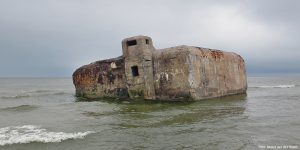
x=150 y=124
x=139 y=113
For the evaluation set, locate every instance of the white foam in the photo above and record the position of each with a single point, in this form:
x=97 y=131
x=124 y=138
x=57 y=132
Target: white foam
x=31 y=133
x=274 y=86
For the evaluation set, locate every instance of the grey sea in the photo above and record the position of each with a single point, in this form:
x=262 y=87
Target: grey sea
x=43 y=113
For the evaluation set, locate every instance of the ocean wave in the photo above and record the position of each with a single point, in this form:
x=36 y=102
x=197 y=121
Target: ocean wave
x=48 y=92
x=61 y=93
x=40 y=91
x=20 y=108
x=274 y=86
x=34 y=94
x=16 y=96
x=30 y=133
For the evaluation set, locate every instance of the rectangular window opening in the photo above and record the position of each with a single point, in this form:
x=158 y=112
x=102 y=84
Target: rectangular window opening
x=135 y=71
x=147 y=41
x=131 y=43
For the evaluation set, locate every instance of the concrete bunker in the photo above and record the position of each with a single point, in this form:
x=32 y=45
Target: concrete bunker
x=176 y=73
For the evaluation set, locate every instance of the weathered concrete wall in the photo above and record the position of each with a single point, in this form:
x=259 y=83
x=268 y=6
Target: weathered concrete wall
x=171 y=73
x=104 y=78
x=214 y=73
x=137 y=52
x=186 y=72
x=176 y=73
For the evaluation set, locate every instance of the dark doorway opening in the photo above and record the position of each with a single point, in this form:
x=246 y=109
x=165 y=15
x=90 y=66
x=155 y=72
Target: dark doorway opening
x=135 y=71
x=131 y=43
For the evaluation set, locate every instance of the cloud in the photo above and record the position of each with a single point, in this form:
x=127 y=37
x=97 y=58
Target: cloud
x=54 y=37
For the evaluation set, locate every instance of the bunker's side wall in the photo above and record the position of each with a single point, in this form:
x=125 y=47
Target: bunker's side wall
x=171 y=74
x=185 y=72
x=100 y=79
x=214 y=73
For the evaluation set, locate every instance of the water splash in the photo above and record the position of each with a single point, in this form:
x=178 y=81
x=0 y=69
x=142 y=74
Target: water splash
x=30 y=133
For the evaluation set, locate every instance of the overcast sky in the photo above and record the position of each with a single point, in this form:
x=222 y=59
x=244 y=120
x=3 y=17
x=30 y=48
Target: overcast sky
x=49 y=38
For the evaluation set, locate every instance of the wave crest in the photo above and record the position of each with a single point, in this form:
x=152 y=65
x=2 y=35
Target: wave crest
x=31 y=133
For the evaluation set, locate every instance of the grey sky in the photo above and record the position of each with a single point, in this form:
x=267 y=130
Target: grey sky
x=54 y=37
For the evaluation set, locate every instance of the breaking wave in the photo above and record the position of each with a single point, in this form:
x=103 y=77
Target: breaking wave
x=274 y=86
x=30 y=133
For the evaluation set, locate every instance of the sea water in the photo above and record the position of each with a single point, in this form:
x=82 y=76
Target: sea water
x=43 y=113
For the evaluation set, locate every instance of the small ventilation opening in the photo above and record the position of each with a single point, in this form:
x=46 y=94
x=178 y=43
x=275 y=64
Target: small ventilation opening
x=147 y=41
x=131 y=43
x=135 y=71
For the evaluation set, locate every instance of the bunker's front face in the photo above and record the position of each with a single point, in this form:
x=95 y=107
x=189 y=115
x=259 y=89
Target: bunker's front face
x=176 y=73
